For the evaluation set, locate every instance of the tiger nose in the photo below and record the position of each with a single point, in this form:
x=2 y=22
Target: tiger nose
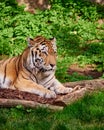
x=52 y=65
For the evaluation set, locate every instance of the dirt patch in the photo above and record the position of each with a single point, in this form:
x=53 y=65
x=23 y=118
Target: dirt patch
x=98 y=1
x=87 y=70
x=31 y=5
x=101 y=21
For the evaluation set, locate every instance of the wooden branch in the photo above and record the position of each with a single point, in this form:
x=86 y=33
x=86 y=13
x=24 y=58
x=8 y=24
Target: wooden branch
x=91 y=84
x=72 y=97
x=80 y=88
x=15 y=102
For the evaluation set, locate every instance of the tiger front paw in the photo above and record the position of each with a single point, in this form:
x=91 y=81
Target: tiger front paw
x=63 y=90
x=48 y=94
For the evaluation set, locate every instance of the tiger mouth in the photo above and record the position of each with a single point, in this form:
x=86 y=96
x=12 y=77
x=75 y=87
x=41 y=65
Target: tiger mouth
x=46 y=70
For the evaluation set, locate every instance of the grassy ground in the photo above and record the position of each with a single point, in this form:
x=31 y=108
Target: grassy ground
x=84 y=114
x=79 y=31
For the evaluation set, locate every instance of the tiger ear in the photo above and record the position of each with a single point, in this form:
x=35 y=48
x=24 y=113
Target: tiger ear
x=53 y=40
x=30 y=42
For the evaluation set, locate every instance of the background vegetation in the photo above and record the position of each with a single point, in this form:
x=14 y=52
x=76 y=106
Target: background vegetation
x=80 y=39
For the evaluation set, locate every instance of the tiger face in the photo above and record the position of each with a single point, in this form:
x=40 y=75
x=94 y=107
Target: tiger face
x=43 y=54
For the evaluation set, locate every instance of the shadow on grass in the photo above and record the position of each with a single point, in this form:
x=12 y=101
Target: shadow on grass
x=67 y=41
x=60 y=127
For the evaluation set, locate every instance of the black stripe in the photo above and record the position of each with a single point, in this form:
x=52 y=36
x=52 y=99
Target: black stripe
x=16 y=67
x=35 y=54
x=29 y=77
x=49 y=80
x=24 y=77
x=33 y=79
x=43 y=48
x=25 y=71
x=15 y=87
x=15 y=64
x=18 y=62
x=33 y=57
x=46 y=53
x=30 y=72
x=5 y=73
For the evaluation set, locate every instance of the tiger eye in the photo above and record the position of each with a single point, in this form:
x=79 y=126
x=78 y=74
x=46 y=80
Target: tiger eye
x=43 y=43
x=35 y=60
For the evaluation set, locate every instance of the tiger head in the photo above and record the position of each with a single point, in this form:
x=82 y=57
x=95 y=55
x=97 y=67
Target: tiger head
x=42 y=56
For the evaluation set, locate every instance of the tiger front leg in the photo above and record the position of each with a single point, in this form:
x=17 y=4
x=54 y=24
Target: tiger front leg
x=58 y=88
x=32 y=87
x=43 y=92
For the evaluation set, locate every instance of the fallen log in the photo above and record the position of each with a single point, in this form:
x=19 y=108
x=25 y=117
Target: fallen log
x=27 y=104
x=91 y=84
x=81 y=88
x=11 y=98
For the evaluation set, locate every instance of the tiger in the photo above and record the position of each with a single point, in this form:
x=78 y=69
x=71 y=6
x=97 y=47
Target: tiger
x=34 y=69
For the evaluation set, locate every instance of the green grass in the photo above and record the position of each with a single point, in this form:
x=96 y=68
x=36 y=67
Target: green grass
x=80 y=39
x=87 y=113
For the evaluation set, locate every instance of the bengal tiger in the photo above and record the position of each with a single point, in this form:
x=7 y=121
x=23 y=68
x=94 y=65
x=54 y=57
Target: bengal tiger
x=34 y=70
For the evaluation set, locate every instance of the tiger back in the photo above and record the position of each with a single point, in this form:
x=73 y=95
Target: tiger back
x=34 y=70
